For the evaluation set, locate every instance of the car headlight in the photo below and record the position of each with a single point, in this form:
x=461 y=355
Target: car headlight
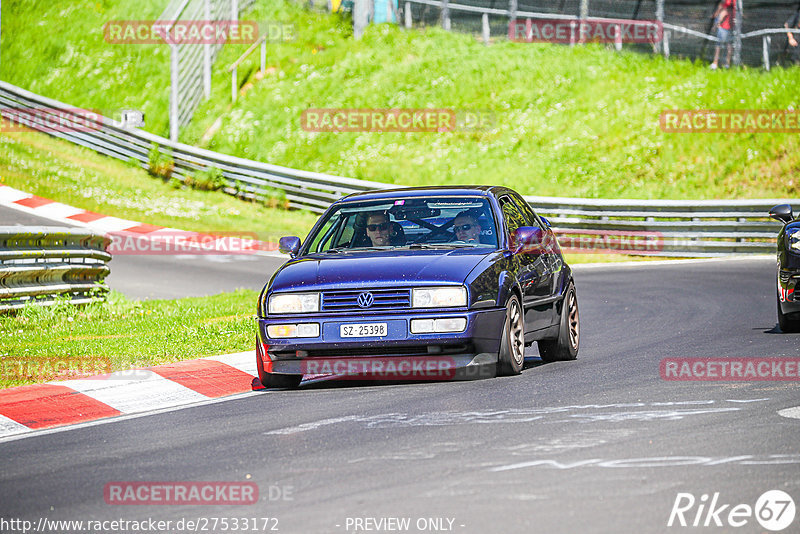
x=294 y=303
x=793 y=239
x=439 y=297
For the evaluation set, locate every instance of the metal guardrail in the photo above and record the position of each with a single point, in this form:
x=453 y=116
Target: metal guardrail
x=696 y=228
x=39 y=264
x=686 y=228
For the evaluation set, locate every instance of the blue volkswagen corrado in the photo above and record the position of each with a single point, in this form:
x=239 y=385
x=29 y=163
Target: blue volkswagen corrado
x=420 y=283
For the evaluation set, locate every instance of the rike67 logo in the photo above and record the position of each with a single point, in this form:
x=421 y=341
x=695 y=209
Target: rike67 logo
x=774 y=510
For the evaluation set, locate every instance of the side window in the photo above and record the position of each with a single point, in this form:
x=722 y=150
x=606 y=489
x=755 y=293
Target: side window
x=514 y=219
x=526 y=210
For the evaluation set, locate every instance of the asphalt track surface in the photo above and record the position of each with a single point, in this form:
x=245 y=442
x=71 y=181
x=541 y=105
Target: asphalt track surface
x=172 y=276
x=601 y=444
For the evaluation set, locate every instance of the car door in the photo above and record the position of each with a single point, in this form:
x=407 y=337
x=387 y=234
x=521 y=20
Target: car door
x=530 y=270
x=551 y=253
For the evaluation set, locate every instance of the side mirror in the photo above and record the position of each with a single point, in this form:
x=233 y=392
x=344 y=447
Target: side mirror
x=527 y=239
x=782 y=212
x=544 y=220
x=289 y=245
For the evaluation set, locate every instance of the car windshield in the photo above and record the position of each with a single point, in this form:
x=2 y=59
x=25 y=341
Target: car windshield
x=444 y=222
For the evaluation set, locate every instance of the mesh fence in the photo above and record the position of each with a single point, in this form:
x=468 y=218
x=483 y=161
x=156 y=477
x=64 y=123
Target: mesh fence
x=696 y=16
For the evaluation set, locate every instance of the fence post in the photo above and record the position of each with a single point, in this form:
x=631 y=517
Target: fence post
x=446 y=14
x=660 y=20
x=407 y=15
x=618 y=38
x=584 y=14
x=485 y=28
x=737 y=34
x=263 y=54
x=360 y=17
x=207 y=53
x=513 y=6
x=173 y=92
x=765 y=42
x=665 y=38
x=234 y=10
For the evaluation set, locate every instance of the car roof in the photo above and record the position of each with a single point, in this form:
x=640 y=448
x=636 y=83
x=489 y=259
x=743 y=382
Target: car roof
x=458 y=190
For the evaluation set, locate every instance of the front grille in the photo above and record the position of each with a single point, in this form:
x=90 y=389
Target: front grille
x=383 y=299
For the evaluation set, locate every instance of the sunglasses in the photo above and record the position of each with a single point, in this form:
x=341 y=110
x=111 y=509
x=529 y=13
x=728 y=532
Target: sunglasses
x=464 y=227
x=382 y=227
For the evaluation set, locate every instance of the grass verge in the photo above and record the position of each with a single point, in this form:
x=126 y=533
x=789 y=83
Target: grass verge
x=63 y=341
x=60 y=171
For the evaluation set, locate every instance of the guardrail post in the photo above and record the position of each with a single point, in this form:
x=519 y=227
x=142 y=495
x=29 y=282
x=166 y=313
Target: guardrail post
x=173 y=93
x=407 y=15
x=765 y=42
x=446 y=14
x=485 y=28
x=234 y=80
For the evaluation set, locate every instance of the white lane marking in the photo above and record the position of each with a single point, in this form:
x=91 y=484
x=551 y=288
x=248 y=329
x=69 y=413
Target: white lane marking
x=57 y=211
x=9 y=195
x=656 y=461
x=111 y=224
x=109 y=420
x=792 y=413
x=10 y=427
x=515 y=416
x=746 y=400
x=656 y=263
x=148 y=391
x=243 y=361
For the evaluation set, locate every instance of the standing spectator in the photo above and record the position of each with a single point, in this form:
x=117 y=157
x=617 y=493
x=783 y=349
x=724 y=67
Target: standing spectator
x=793 y=24
x=723 y=17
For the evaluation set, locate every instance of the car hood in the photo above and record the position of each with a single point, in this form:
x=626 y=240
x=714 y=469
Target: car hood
x=373 y=269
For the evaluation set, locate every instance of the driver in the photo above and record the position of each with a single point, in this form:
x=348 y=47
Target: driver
x=378 y=229
x=467 y=227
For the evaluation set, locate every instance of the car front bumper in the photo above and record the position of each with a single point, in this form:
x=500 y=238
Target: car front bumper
x=398 y=355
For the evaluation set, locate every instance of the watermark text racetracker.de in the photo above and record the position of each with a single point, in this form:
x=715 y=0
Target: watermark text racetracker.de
x=419 y=120
x=181 y=32
x=177 y=242
x=211 y=524
x=730 y=369
x=730 y=121
x=583 y=31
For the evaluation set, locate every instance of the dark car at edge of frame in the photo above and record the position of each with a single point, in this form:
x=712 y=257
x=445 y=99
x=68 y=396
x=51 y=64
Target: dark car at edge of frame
x=384 y=282
x=788 y=268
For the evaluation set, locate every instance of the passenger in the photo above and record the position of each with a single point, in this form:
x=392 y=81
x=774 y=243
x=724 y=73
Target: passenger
x=467 y=227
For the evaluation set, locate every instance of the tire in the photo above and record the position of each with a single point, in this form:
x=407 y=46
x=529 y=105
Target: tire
x=566 y=345
x=512 y=342
x=789 y=323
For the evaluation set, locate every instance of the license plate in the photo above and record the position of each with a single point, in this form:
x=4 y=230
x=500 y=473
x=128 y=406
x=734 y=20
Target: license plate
x=363 y=330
